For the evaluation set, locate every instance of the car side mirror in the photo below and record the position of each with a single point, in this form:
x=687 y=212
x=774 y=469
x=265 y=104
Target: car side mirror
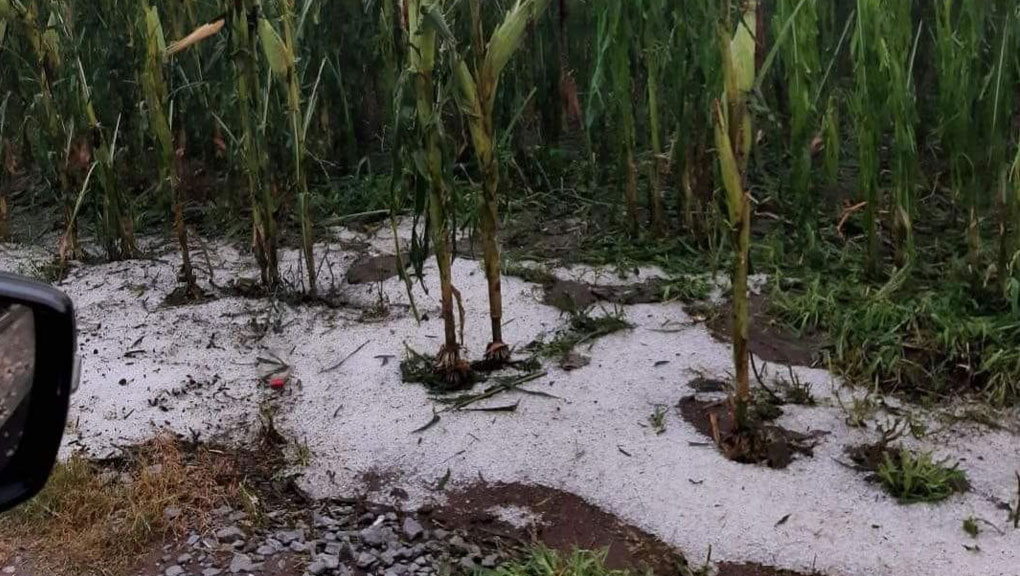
x=38 y=372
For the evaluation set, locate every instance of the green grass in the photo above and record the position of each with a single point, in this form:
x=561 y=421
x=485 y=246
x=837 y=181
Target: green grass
x=912 y=478
x=584 y=327
x=541 y=561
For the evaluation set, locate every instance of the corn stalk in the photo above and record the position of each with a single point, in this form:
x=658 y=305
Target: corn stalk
x=247 y=25
x=422 y=22
x=733 y=138
x=900 y=43
x=284 y=54
x=118 y=228
x=654 y=55
x=477 y=87
x=157 y=102
x=868 y=104
x=48 y=60
x=621 y=34
x=801 y=63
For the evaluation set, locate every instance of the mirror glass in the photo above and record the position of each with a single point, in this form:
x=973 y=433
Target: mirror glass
x=17 y=367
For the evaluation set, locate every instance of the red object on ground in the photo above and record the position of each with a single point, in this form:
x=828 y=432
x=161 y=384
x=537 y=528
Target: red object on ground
x=277 y=383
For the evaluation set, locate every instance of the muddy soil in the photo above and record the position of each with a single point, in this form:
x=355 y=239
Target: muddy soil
x=565 y=522
x=770 y=340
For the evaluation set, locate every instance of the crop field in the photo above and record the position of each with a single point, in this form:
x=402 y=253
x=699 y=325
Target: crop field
x=734 y=282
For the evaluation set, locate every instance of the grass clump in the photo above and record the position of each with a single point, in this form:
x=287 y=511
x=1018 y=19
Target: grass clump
x=542 y=561
x=912 y=478
x=584 y=327
x=95 y=519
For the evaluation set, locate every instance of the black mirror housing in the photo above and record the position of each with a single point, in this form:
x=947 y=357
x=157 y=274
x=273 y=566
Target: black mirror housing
x=54 y=379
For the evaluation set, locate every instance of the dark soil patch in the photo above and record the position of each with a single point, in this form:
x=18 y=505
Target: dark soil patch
x=373 y=269
x=770 y=339
x=703 y=385
x=551 y=239
x=571 y=296
x=183 y=296
x=567 y=522
x=765 y=443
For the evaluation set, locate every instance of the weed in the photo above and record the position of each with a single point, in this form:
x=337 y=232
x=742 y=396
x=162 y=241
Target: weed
x=970 y=526
x=914 y=478
x=534 y=274
x=542 y=561
x=657 y=420
x=584 y=327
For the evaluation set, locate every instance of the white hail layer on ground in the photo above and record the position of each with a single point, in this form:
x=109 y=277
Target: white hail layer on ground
x=192 y=370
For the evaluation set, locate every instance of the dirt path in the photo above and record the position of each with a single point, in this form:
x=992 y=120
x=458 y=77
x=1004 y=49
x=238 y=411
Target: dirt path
x=195 y=370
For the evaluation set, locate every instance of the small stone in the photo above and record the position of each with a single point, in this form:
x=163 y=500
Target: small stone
x=265 y=550
x=331 y=562
x=332 y=548
x=490 y=561
x=365 y=560
x=468 y=564
x=388 y=557
x=316 y=567
x=174 y=570
x=184 y=558
x=242 y=563
x=412 y=528
x=366 y=518
x=440 y=534
x=298 y=546
x=392 y=517
x=229 y=534
x=212 y=572
x=8 y=570
x=376 y=535
x=171 y=513
x=457 y=542
x=287 y=536
x=193 y=539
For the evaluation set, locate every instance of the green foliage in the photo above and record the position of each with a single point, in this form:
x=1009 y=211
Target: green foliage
x=584 y=327
x=912 y=478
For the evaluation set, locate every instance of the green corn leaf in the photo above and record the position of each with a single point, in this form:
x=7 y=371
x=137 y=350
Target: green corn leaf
x=728 y=165
x=274 y=49
x=742 y=48
x=507 y=38
x=154 y=28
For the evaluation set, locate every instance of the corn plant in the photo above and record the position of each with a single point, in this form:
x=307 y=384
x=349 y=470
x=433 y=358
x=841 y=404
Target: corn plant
x=654 y=55
x=800 y=59
x=117 y=230
x=620 y=32
x=831 y=141
x=868 y=105
x=733 y=138
x=477 y=87
x=958 y=59
x=247 y=25
x=899 y=42
x=157 y=104
x=46 y=62
x=422 y=24
x=281 y=55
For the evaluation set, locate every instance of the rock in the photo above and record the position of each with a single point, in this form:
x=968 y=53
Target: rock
x=365 y=560
x=366 y=518
x=265 y=550
x=468 y=564
x=8 y=570
x=315 y=568
x=184 y=558
x=287 y=536
x=154 y=469
x=376 y=536
x=171 y=513
x=490 y=561
x=440 y=534
x=193 y=539
x=332 y=548
x=474 y=551
x=412 y=528
x=388 y=557
x=298 y=546
x=212 y=572
x=229 y=534
x=331 y=561
x=174 y=570
x=242 y=563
